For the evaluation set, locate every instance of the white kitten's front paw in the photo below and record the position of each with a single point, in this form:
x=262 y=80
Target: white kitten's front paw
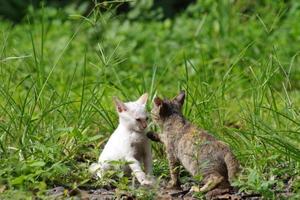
x=94 y=167
x=148 y=182
x=95 y=170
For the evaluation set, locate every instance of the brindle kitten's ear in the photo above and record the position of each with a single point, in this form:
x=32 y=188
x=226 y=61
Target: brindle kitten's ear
x=121 y=107
x=180 y=97
x=163 y=106
x=158 y=101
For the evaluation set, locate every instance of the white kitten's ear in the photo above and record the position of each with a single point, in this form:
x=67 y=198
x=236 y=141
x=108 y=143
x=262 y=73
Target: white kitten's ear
x=180 y=97
x=143 y=99
x=121 y=107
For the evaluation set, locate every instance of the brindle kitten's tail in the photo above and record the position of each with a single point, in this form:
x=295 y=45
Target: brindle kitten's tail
x=233 y=166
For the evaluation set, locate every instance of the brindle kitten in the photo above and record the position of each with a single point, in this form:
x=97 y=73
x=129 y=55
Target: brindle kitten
x=199 y=152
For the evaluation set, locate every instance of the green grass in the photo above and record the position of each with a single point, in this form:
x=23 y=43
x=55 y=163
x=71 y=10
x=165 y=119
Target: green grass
x=238 y=63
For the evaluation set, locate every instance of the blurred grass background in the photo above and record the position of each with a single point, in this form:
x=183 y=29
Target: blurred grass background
x=61 y=63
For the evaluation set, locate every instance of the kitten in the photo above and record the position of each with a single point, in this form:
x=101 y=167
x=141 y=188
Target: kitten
x=128 y=142
x=199 y=152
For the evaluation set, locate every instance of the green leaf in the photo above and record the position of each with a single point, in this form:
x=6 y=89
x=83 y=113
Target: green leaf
x=96 y=137
x=38 y=164
x=19 y=180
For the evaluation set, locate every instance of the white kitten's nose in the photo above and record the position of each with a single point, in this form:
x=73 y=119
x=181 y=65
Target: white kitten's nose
x=144 y=124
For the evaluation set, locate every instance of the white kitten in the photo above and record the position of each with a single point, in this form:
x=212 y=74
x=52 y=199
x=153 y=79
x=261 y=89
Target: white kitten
x=129 y=141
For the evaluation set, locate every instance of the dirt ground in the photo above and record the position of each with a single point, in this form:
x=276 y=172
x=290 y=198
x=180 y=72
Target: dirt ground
x=164 y=194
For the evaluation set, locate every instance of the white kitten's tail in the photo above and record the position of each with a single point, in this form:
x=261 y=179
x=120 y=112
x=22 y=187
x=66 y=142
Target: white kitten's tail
x=94 y=168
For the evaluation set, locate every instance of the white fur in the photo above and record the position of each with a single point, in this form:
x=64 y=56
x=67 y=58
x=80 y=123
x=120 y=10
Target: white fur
x=128 y=142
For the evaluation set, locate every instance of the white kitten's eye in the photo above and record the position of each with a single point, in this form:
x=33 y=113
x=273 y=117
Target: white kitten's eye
x=138 y=119
x=147 y=118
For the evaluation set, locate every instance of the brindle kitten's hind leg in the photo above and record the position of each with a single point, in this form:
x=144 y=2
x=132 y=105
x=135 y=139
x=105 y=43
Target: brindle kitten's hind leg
x=216 y=194
x=210 y=183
